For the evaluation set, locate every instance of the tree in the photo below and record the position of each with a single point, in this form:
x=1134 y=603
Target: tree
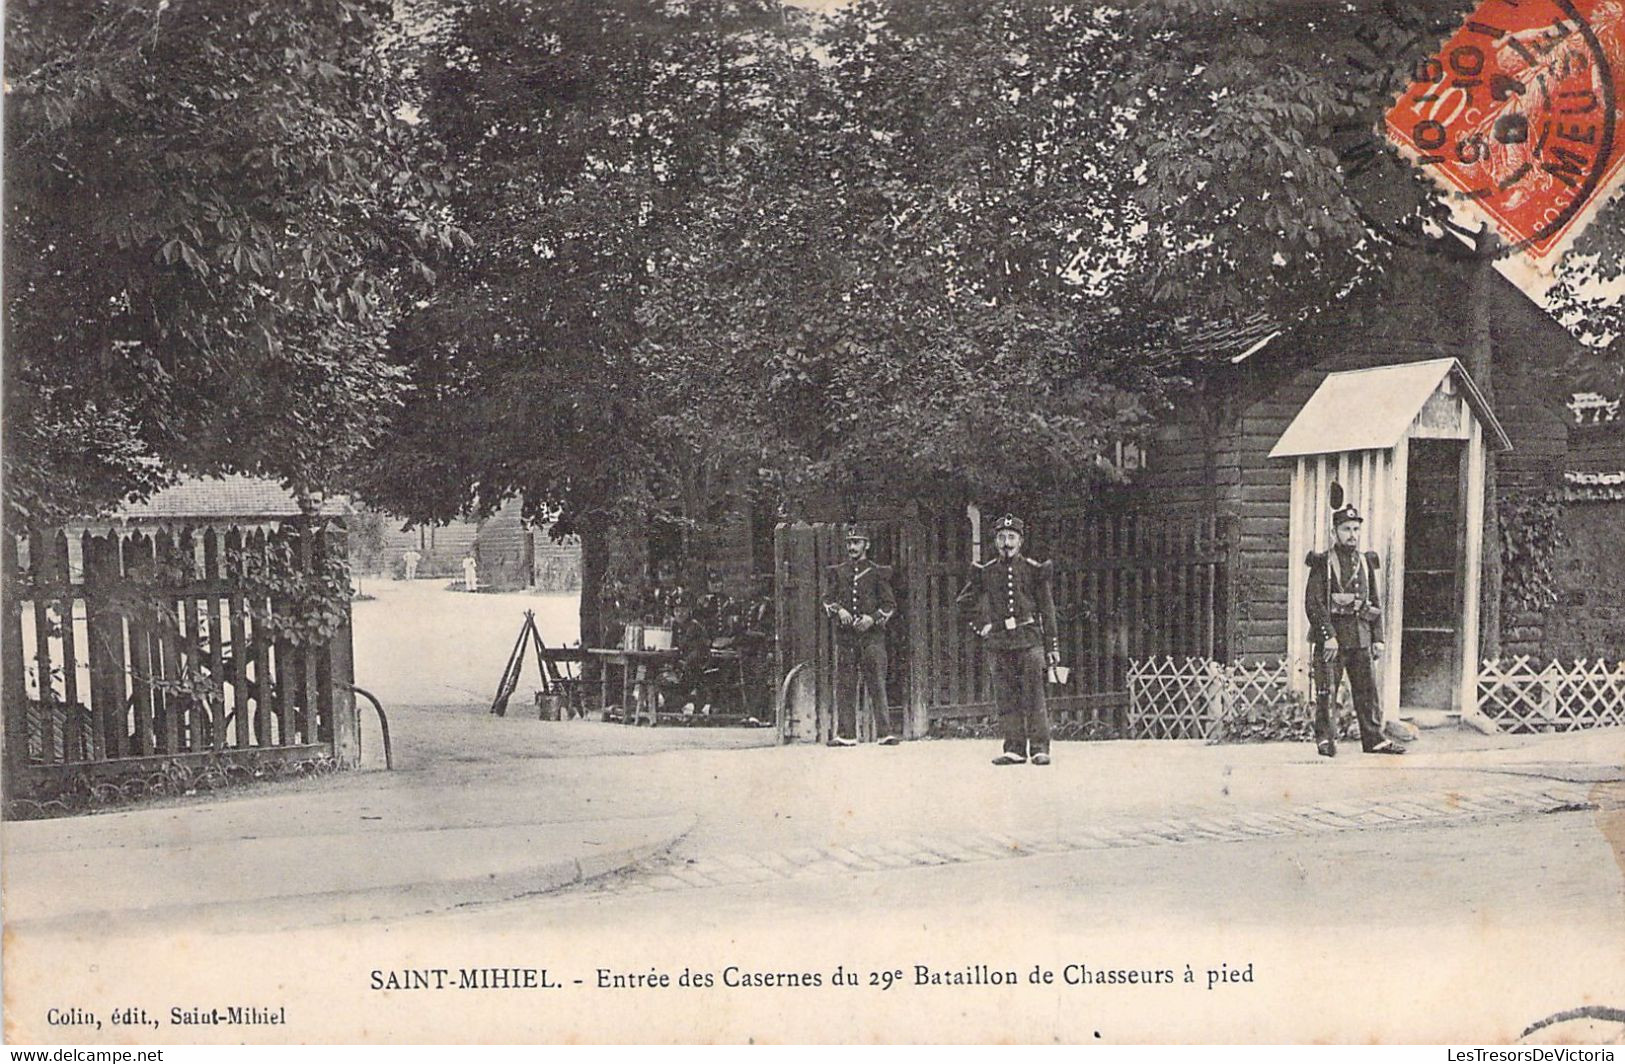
x=724 y=236
x=215 y=214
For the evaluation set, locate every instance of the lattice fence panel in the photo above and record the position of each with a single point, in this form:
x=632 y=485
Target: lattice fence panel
x=1260 y=689
x=1197 y=698
x=1520 y=697
x=1171 y=699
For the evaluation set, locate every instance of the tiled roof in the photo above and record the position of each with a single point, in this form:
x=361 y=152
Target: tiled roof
x=219 y=498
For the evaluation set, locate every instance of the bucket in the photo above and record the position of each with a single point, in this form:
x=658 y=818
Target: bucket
x=549 y=706
x=1059 y=674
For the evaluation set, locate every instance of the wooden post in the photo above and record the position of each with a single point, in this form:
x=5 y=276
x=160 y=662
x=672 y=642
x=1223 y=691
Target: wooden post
x=214 y=610
x=165 y=636
x=346 y=726
x=137 y=568
x=11 y=665
x=265 y=683
x=1474 y=504
x=40 y=567
x=310 y=682
x=1394 y=609
x=74 y=744
x=916 y=723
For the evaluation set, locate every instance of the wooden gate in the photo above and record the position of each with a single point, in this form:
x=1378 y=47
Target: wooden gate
x=128 y=652
x=1127 y=587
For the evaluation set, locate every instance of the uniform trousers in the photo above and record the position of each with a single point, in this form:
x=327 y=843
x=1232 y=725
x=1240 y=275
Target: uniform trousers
x=860 y=664
x=1018 y=692
x=1356 y=662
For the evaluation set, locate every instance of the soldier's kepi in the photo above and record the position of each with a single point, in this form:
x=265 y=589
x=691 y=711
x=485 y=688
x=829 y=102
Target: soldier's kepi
x=1013 y=612
x=1345 y=617
x=858 y=596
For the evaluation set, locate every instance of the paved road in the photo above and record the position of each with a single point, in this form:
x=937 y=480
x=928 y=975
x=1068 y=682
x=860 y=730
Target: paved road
x=1461 y=917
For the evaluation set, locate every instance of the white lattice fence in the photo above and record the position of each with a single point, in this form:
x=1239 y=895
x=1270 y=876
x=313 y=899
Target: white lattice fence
x=1170 y=699
x=1194 y=698
x=1255 y=690
x=1520 y=697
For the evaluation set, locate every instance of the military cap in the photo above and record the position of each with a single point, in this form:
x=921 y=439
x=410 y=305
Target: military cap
x=1010 y=523
x=857 y=531
x=1344 y=514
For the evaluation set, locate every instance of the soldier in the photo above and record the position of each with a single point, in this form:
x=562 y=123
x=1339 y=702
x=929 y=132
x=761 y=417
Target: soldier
x=1015 y=619
x=1345 y=615
x=859 y=597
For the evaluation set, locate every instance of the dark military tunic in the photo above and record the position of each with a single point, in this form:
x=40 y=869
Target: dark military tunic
x=1343 y=603
x=1012 y=601
x=863 y=589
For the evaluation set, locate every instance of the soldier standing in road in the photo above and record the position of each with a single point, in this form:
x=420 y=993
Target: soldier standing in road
x=858 y=595
x=1014 y=615
x=1345 y=614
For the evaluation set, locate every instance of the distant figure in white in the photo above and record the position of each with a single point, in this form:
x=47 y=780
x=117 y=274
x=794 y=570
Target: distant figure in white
x=410 y=558
x=470 y=568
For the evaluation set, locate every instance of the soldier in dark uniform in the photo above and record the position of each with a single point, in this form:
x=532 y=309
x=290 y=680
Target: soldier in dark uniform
x=1345 y=615
x=858 y=595
x=1013 y=612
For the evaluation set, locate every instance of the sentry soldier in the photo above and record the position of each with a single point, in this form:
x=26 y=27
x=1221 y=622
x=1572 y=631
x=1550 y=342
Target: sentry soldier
x=1013 y=612
x=858 y=596
x=1345 y=614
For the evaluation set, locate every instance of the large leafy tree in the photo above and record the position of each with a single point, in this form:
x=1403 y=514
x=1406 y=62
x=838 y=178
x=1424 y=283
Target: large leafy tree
x=214 y=213
x=900 y=286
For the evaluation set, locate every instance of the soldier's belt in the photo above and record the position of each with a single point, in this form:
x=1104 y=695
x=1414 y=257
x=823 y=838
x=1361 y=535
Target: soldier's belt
x=1018 y=622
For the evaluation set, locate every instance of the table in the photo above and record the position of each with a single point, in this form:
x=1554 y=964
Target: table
x=640 y=680
x=641 y=672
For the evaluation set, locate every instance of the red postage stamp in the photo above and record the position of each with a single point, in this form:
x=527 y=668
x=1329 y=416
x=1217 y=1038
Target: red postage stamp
x=1517 y=116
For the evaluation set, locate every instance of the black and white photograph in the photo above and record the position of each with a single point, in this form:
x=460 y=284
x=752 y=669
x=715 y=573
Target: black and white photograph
x=542 y=522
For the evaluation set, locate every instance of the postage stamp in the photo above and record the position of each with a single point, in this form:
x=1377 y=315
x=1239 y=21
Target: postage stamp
x=1517 y=117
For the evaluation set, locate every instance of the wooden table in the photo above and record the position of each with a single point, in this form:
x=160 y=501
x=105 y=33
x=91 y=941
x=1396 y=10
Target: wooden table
x=640 y=680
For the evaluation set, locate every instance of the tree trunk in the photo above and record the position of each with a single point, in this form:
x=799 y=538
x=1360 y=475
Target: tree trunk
x=594 y=564
x=1480 y=365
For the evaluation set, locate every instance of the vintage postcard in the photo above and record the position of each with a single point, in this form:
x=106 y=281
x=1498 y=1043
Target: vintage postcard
x=772 y=521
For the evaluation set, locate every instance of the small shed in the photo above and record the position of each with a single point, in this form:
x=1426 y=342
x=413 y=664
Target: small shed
x=1407 y=445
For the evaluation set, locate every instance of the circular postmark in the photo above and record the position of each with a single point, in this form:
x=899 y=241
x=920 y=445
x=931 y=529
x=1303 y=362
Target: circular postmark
x=1516 y=117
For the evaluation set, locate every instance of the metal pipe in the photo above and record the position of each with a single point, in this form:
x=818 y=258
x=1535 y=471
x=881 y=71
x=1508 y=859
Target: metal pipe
x=383 y=724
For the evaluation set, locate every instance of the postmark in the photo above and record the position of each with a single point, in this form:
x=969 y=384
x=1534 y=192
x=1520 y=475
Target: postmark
x=1516 y=117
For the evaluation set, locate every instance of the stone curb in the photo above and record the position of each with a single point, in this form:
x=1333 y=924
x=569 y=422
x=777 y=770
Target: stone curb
x=322 y=908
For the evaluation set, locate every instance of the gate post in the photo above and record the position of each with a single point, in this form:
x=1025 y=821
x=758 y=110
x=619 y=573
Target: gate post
x=916 y=718
x=14 y=704
x=341 y=670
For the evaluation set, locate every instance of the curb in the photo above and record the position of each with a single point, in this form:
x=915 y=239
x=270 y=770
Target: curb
x=323 y=908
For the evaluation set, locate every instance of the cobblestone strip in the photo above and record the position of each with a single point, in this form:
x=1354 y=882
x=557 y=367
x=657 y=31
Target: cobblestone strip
x=675 y=873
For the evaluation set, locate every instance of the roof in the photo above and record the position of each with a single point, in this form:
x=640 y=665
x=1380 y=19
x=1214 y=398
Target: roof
x=224 y=498
x=1371 y=409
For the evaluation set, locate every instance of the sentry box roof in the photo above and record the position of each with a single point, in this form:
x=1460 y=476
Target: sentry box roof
x=1373 y=409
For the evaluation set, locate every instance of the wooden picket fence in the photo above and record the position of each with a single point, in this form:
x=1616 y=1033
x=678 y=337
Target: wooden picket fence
x=1195 y=698
x=1522 y=698
x=132 y=651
